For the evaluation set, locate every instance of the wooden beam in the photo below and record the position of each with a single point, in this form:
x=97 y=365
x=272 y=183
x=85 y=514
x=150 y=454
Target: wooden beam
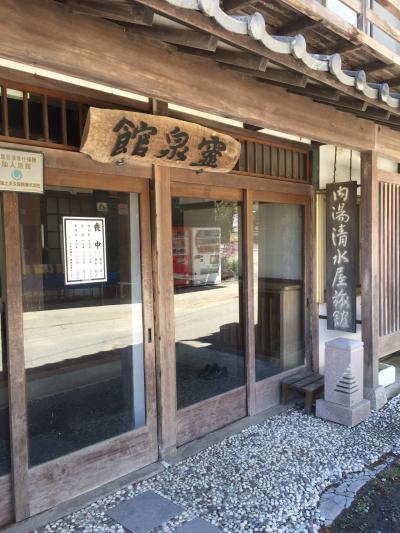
x=133 y=14
x=373 y=66
x=315 y=91
x=236 y=5
x=186 y=79
x=394 y=82
x=237 y=59
x=187 y=38
x=393 y=6
x=297 y=25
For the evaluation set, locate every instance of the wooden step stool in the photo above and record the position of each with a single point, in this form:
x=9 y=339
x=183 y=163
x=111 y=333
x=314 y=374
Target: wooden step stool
x=305 y=381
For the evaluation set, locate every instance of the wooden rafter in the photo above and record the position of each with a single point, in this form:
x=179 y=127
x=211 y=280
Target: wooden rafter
x=130 y=13
x=298 y=25
x=188 y=38
x=197 y=20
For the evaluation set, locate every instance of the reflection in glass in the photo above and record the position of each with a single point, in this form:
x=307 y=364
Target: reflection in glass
x=207 y=267
x=278 y=287
x=83 y=342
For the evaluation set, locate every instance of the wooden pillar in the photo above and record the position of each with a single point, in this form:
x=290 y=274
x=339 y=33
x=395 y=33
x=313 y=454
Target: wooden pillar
x=369 y=240
x=164 y=310
x=249 y=303
x=15 y=352
x=313 y=310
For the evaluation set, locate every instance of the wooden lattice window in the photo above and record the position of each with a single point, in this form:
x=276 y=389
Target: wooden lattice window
x=264 y=159
x=45 y=118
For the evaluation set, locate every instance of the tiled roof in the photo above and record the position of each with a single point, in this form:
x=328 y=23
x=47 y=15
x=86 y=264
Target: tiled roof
x=254 y=27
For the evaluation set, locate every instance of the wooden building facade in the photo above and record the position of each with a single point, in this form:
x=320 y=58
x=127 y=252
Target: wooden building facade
x=208 y=300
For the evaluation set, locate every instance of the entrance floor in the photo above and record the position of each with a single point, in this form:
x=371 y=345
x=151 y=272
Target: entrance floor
x=267 y=478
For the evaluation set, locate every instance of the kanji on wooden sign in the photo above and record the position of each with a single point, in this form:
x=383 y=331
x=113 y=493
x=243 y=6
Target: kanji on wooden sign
x=114 y=136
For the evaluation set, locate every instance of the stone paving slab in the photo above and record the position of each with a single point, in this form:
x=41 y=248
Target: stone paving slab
x=197 y=526
x=144 y=512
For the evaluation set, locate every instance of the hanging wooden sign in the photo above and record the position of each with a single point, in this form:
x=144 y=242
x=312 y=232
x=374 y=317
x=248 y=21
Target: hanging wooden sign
x=341 y=255
x=113 y=136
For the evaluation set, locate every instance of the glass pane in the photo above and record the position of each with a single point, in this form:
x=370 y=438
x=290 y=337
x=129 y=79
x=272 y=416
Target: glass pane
x=15 y=113
x=35 y=110
x=278 y=287
x=83 y=340
x=207 y=266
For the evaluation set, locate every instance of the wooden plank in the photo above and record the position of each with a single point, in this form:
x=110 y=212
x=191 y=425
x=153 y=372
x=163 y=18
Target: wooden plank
x=202 y=418
x=268 y=390
x=148 y=311
x=25 y=115
x=383 y=25
x=248 y=300
x=205 y=191
x=187 y=38
x=45 y=111
x=15 y=351
x=73 y=161
x=393 y=6
x=388 y=344
x=4 y=109
x=362 y=18
x=6 y=510
x=355 y=5
x=132 y=14
x=192 y=75
x=164 y=307
x=369 y=240
x=241 y=181
x=65 y=478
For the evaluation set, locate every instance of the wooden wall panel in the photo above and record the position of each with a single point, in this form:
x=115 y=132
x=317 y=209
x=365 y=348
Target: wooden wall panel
x=6 y=512
x=389 y=258
x=202 y=418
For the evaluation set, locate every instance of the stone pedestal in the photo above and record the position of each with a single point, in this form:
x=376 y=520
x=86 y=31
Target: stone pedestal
x=343 y=398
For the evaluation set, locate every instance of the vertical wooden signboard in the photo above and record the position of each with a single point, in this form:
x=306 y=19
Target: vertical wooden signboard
x=341 y=255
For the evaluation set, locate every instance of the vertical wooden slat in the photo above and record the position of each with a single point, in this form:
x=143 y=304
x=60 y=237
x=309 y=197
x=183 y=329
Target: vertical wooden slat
x=4 y=109
x=15 y=349
x=164 y=310
x=45 y=110
x=381 y=251
x=397 y=244
x=64 y=121
x=369 y=266
x=249 y=302
x=25 y=104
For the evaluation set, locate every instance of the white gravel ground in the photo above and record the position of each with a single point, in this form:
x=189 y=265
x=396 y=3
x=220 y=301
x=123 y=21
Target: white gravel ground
x=268 y=478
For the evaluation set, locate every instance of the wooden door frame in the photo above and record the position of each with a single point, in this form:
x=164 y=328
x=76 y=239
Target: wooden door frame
x=267 y=391
x=208 y=415
x=56 y=481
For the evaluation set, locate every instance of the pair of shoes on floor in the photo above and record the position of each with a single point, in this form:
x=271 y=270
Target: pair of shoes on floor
x=213 y=371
